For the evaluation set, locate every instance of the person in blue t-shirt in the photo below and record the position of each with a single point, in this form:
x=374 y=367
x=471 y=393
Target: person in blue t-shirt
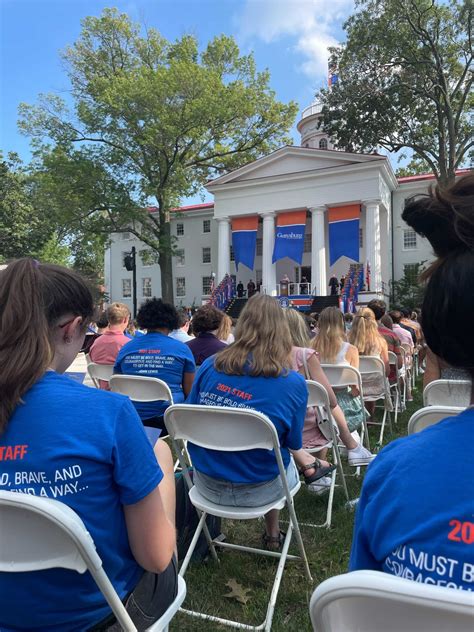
x=156 y=354
x=255 y=372
x=415 y=515
x=84 y=447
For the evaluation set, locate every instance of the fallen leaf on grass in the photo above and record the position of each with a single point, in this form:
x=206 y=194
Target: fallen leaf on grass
x=237 y=591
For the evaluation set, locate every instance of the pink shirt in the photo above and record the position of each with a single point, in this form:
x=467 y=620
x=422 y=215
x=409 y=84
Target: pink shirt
x=105 y=349
x=404 y=335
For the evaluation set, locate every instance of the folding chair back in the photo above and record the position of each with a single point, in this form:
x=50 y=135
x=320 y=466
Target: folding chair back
x=448 y=393
x=370 y=367
x=41 y=533
x=219 y=428
x=372 y=601
x=100 y=372
x=429 y=416
x=140 y=388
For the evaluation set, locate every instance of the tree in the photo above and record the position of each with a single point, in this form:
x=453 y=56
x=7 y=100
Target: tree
x=404 y=81
x=407 y=291
x=53 y=251
x=153 y=120
x=23 y=231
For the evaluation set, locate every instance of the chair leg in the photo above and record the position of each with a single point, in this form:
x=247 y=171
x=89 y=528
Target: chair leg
x=192 y=546
x=278 y=578
x=299 y=539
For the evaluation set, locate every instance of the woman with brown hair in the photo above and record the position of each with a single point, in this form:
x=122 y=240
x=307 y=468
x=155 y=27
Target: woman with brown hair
x=305 y=360
x=333 y=348
x=224 y=333
x=125 y=499
x=205 y=325
x=255 y=372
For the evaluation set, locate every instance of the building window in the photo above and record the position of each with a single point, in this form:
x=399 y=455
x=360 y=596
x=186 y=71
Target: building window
x=206 y=225
x=146 y=287
x=124 y=254
x=149 y=257
x=180 y=258
x=206 y=285
x=126 y=288
x=411 y=271
x=409 y=239
x=180 y=286
x=307 y=243
x=231 y=253
x=206 y=255
x=259 y=246
x=180 y=229
x=323 y=143
x=258 y=276
x=361 y=238
x=126 y=236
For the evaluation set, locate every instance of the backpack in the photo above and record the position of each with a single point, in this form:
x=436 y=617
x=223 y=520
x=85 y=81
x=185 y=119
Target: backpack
x=187 y=520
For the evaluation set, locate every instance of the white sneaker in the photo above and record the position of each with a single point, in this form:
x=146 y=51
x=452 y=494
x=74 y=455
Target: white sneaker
x=360 y=456
x=342 y=448
x=320 y=486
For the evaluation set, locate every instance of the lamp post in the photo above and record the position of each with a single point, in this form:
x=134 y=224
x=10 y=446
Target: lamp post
x=130 y=263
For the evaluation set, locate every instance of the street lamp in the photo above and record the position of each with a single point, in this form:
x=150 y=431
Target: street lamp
x=130 y=263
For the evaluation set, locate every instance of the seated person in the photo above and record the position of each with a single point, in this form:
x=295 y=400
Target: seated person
x=256 y=371
x=181 y=332
x=106 y=347
x=124 y=497
x=206 y=322
x=414 y=518
x=157 y=355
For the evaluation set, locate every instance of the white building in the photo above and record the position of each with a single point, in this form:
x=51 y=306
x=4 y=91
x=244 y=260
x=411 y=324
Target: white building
x=312 y=176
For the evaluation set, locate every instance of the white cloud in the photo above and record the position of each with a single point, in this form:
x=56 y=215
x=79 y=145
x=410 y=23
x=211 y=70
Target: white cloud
x=313 y=24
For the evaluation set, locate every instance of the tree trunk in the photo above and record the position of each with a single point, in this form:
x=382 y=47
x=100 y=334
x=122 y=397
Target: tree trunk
x=166 y=267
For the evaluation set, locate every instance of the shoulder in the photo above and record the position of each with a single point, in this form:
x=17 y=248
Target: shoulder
x=86 y=397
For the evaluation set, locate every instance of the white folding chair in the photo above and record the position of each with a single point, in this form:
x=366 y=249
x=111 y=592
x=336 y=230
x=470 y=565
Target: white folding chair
x=395 y=387
x=430 y=415
x=371 y=601
x=345 y=376
x=100 y=372
x=369 y=367
x=405 y=378
x=318 y=397
x=145 y=389
x=42 y=533
x=234 y=430
x=448 y=393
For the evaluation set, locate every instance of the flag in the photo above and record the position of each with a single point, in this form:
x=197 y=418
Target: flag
x=289 y=239
x=344 y=232
x=244 y=240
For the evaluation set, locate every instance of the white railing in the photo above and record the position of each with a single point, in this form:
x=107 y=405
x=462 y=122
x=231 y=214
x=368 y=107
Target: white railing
x=315 y=108
x=296 y=288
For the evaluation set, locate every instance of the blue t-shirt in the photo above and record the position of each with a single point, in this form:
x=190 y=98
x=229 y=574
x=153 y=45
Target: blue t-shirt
x=88 y=449
x=156 y=355
x=283 y=399
x=415 y=518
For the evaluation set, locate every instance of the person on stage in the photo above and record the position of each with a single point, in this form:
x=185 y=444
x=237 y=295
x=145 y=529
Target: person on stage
x=250 y=288
x=240 y=289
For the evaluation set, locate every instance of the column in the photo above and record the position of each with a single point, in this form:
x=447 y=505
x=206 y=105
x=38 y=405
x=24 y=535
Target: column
x=268 y=242
x=372 y=240
x=318 y=251
x=223 y=248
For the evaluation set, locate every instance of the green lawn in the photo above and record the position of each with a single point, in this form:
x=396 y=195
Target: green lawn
x=327 y=550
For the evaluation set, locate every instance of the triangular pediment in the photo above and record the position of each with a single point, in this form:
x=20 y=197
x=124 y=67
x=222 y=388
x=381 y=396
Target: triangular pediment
x=293 y=160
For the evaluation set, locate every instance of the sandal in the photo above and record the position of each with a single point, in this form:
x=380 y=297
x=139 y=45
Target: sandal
x=319 y=473
x=274 y=543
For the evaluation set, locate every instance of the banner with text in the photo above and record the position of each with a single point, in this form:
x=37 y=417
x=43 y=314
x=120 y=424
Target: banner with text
x=244 y=240
x=289 y=240
x=344 y=232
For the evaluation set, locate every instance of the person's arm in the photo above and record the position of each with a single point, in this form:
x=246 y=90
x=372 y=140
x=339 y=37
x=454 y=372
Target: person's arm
x=151 y=521
x=188 y=379
x=396 y=349
x=317 y=374
x=384 y=356
x=432 y=370
x=352 y=356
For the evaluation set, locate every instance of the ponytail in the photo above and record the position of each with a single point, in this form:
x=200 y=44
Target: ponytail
x=32 y=299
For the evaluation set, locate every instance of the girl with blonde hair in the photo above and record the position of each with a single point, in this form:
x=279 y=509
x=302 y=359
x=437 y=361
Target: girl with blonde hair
x=224 y=333
x=333 y=348
x=364 y=335
x=255 y=372
x=305 y=360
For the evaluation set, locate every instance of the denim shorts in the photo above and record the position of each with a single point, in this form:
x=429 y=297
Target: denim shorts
x=243 y=494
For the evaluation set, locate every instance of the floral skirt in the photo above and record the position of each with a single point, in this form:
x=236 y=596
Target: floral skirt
x=351 y=407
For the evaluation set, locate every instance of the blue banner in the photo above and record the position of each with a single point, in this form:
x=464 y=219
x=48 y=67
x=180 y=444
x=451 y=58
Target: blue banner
x=244 y=240
x=289 y=240
x=344 y=240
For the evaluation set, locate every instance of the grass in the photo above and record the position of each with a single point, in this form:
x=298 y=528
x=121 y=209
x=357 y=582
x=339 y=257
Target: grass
x=327 y=550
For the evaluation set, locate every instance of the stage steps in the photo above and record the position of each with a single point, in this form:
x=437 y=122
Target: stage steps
x=321 y=302
x=235 y=307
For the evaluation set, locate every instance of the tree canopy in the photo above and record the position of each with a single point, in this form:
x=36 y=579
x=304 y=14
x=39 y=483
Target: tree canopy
x=152 y=120
x=405 y=81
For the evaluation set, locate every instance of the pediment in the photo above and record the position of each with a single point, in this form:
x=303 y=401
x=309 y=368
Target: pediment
x=292 y=160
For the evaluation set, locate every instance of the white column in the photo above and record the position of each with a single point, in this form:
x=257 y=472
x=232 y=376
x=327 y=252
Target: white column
x=372 y=248
x=268 y=242
x=318 y=250
x=223 y=248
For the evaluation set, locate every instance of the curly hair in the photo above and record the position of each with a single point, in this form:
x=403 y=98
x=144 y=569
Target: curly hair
x=155 y=314
x=207 y=318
